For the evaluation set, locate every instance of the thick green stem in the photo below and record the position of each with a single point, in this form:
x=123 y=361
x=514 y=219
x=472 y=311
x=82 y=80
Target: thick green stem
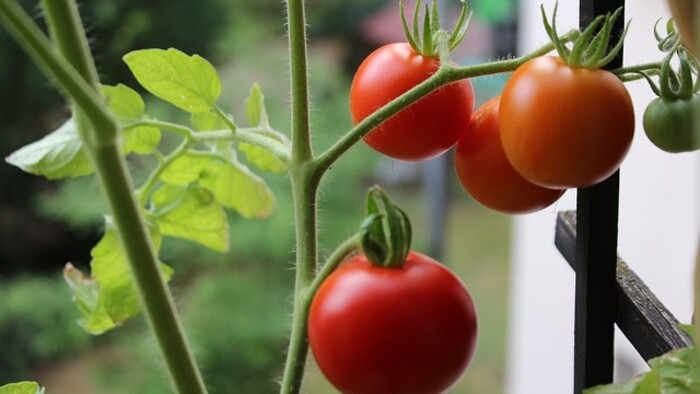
x=304 y=188
x=59 y=71
x=301 y=134
x=99 y=131
x=305 y=183
x=67 y=34
x=156 y=298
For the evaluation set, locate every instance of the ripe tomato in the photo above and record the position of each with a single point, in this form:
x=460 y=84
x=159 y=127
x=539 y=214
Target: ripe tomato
x=562 y=126
x=403 y=330
x=669 y=124
x=426 y=128
x=486 y=173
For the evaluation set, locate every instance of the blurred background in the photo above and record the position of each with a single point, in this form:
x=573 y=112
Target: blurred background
x=236 y=306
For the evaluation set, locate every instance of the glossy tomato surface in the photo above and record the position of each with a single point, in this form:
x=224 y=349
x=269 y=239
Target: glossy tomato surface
x=426 y=128
x=487 y=175
x=565 y=127
x=392 y=330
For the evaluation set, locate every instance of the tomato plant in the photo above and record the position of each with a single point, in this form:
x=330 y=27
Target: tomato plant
x=487 y=175
x=564 y=126
x=410 y=329
x=426 y=128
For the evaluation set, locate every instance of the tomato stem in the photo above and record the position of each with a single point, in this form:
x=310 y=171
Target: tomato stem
x=305 y=181
x=99 y=131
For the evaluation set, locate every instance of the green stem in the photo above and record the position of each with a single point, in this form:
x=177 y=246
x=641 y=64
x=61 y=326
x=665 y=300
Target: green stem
x=261 y=137
x=340 y=254
x=304 y=188
x=649 y=68
x=301 y=133
x=304 y=192
x=298 y=346
x=144 y=192
x=57 y=68
x=68 y=35
x=225 y=118
x=100 y=137
x=155 y=296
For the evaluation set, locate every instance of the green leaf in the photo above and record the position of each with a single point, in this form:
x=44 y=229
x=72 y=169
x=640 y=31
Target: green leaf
x=255 y=108
x=126 y=103
x=21 y=388
x=618 y=388
x=86 y=295
x=208 y=120
x=185 y=169
x=190 y=83
x=128 y=106
x=231 y=183
x=262 y=158
x=235 y=187
x=108 y=298
x=676 y=372
x=191 y=213
x=59 y=154
x=649 y=384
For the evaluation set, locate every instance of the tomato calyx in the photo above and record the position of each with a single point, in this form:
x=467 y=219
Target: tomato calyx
x=680 y=84
x=430 y=40
x=590 y=48
x=385 y=234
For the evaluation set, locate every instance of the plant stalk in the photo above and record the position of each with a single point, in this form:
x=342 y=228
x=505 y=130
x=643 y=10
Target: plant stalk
x=99 y=132
x=305 y=182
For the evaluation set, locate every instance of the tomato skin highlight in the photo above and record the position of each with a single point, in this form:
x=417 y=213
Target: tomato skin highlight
x=383 y=330
x=485 y=172
x=565 y=127
x=669 y=124
x=426 y=128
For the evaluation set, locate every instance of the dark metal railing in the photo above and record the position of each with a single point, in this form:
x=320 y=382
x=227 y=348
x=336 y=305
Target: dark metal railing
x=608 y=292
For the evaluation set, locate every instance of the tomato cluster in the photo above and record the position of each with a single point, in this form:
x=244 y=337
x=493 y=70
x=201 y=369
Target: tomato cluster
x=554 y=127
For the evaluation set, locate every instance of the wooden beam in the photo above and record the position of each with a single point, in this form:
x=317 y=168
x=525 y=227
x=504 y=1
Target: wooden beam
x=650 y=327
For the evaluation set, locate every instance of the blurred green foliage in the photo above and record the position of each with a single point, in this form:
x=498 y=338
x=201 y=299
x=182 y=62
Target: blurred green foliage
x=37 y=324
x=237 y=331
x=235 y=305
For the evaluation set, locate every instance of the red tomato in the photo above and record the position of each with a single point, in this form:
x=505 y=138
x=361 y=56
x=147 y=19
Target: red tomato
x=426 y=128
x=486 y=173
x=565 y=127
x=403 y=330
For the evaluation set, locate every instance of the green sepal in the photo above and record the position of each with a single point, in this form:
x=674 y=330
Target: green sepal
x=592 y=47
x=386 y=232
x=426 y=41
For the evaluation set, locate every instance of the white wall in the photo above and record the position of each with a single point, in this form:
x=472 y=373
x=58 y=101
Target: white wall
x=659 y=230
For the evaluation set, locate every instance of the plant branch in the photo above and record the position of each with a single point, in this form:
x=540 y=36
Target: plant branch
x=262 y=137
x=57 y=69
x=100 y=138
x=143 y=192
